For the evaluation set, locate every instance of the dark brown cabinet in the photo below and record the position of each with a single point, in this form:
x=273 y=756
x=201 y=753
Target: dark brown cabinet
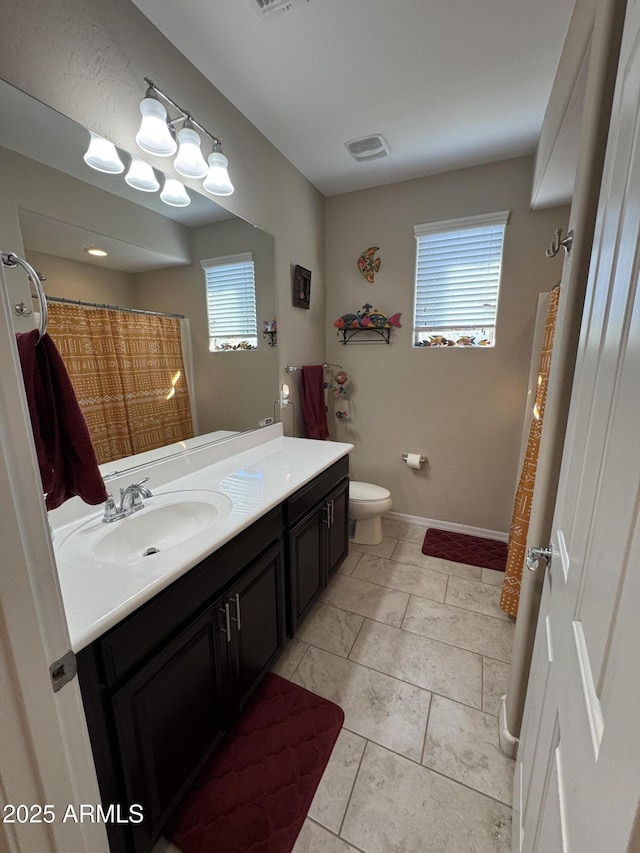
x=162 y=687
x=255 y=627
x=337 y=535
x=318 y=537
x=306 y=563
x=168 y=719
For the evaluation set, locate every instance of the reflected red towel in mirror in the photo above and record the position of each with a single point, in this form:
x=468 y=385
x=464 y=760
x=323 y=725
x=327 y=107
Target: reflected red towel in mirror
x=66 y=457
x=314 y=411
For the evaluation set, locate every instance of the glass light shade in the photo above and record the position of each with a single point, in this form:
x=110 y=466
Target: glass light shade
x=141 y=176
x=189 y=160
x=154 y=135
x=102 y=156
x=174 y=193
x=217 y=181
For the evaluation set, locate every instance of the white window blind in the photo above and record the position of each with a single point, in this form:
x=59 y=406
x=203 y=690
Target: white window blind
x=458 y=265
x=231 y=302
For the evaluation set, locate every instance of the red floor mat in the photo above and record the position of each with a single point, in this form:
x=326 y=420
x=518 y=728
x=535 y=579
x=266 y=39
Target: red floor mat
x=461 y=548
x=254 y=793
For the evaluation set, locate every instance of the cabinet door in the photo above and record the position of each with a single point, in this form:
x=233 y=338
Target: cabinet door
x=257 y=616
x=338 y=528
x=306 y=562
x=168 y=720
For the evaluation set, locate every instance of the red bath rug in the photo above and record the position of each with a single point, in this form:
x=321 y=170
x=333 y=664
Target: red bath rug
x=461 y=548
x=254 y=793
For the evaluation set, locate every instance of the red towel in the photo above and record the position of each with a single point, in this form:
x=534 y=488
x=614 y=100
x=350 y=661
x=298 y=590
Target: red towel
x=314 y=411
x=66 y=457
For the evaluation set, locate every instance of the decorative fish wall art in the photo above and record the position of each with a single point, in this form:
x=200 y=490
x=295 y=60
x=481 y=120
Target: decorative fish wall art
x=367 y=265
x=368 y=319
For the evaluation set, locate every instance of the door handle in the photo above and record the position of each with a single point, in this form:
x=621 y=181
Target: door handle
x=236 y=618
x=534 y=555
x=327 y=518
x=227 y=619
x=333 y=508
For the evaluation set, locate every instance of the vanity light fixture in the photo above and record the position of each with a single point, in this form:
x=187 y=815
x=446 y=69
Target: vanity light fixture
x=189 y=160
x=141 y=176
x=217 y=181
x=154 y=136
x=174 y=193
x=102 y=156
x=157 y=135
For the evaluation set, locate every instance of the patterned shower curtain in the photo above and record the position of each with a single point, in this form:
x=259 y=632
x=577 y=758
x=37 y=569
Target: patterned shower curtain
x=128 y=373
x=524 y=495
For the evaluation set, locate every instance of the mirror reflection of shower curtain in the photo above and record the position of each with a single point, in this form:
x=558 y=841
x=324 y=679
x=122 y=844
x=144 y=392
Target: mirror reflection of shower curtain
x=129 y=376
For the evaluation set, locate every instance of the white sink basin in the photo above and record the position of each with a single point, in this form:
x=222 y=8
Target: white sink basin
x=167 y=521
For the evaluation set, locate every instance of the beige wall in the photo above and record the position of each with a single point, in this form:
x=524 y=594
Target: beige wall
x=232 y=389
x=463 y=408
x=88 y=58
x=87 y=282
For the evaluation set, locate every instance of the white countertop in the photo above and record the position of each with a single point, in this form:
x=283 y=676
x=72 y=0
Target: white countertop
x=256 y=472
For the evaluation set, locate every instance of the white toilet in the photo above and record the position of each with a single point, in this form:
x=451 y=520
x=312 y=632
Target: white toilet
x=366 y=505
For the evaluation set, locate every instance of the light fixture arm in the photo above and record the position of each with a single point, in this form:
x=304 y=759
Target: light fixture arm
x=153 y=91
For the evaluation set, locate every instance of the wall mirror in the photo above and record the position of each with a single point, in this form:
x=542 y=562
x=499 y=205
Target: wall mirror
x=153 y=260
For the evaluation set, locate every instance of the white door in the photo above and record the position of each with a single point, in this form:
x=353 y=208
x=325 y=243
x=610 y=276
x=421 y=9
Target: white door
x=577 y=784
x=45 y=756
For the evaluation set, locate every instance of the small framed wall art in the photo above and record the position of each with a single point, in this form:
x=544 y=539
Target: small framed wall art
x=301 y=287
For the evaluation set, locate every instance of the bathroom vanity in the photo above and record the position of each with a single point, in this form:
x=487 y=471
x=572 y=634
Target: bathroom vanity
x=164 y=682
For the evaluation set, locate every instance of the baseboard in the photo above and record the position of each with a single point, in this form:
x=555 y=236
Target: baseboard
x=508 y=743
x=448 y=525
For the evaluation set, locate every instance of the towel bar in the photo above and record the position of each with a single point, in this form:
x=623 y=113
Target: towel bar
x=11 y=260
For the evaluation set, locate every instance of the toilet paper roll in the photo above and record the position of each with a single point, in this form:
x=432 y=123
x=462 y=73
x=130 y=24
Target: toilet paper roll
x=413 y=460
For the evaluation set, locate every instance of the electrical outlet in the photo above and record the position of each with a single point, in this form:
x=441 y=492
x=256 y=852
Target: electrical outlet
x=265 y=422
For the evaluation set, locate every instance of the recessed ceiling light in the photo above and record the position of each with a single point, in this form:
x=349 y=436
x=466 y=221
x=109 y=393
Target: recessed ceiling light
x=95 y=251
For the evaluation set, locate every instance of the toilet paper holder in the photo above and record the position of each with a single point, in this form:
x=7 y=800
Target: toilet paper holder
x=423 y=459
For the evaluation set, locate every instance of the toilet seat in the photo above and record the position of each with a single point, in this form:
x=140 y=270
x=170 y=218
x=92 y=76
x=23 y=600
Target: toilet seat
x=367 y=492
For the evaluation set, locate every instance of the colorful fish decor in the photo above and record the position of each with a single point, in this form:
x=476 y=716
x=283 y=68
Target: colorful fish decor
x=462 y=341
x=368 y=319
x=367 y=265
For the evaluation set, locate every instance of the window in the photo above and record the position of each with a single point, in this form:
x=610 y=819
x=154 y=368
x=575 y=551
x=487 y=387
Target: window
x=231 y=303
x=457 y=280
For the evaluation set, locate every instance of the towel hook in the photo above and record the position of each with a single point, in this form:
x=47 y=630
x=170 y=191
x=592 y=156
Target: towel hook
x=557 y=242
x=11 y=260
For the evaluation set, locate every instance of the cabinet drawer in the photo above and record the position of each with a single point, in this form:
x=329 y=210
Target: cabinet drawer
x=132 y=641
x=310 y=495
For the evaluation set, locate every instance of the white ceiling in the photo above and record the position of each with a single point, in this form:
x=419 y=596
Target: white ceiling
x=448 y=83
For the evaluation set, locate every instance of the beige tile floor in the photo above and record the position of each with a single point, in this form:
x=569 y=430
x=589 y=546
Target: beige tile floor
x=416 y=652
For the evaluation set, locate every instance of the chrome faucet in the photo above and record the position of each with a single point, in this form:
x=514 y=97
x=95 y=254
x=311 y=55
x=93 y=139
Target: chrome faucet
x=130 y=502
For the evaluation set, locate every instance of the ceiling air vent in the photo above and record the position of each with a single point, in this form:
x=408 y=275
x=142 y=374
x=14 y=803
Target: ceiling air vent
x=271 y=8
x=368 y=148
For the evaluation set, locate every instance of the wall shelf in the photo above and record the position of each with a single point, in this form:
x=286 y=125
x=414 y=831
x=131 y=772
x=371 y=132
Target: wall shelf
x=373 y=336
